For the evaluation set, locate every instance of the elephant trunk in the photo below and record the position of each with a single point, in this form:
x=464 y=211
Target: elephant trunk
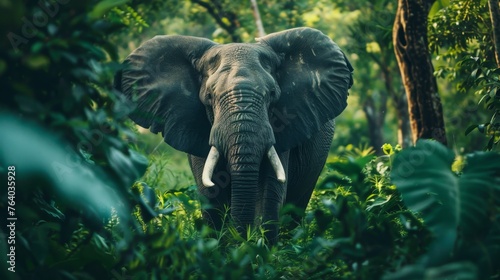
x=244 y=195
x=244 y=154
x=242 y=135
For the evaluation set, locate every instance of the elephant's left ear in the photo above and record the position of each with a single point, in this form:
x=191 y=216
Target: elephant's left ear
x=314 y=77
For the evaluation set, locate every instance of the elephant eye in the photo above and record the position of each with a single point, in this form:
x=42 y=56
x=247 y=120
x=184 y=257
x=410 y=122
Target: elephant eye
x=272 y=92
x=268 y=68
x=208 y=98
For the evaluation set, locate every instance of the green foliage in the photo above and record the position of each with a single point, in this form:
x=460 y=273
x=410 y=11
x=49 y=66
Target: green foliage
x=129 y=17
x=73 y=196
x=86 y=211
x=357 y=227
x=462 y=211
x=484 y=81
x=458 y=26
x=364 y=228
x=461 y=33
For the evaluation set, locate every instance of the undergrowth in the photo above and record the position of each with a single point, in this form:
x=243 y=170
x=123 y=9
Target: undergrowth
x=355 y=227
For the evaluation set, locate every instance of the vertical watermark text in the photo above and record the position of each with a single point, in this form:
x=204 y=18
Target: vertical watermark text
x=11 y=218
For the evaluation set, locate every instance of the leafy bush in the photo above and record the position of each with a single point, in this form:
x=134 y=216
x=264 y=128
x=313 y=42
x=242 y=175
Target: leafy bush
x=56 y=66
x=484 y=82
x=356 y=227
x=460 y=33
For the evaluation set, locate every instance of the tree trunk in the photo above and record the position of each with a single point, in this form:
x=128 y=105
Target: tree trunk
x=412 y=53
x=258 y=20
x=404 y=131
x=375 y=119
x=495 y=23
x=400 y=103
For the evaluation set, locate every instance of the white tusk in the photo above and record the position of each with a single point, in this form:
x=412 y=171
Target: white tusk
x=208 y=170
x=276 y=163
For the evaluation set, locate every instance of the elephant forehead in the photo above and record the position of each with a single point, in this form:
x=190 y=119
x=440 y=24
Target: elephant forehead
x=239 y=51
x=238 y=65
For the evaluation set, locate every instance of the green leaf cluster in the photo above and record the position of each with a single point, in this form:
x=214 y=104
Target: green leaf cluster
x=460 y=34
x=66 y=137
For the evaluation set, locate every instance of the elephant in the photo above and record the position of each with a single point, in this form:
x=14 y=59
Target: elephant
x=256 y=119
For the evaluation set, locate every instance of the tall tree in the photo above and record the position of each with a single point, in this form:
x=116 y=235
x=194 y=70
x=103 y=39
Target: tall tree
x=495 y=23
x=412 y=53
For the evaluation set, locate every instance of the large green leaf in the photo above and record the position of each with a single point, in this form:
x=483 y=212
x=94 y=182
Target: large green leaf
x=40 y=157
x=479 y=188
x=445 y=201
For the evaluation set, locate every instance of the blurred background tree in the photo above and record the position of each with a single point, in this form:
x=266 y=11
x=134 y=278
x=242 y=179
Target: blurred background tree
x=370 y=40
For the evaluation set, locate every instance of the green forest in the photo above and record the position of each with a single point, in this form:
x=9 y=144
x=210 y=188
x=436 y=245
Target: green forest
x=411 y=184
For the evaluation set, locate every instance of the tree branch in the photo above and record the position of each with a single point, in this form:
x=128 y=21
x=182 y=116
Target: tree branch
x=218 y=15
x=258 y=20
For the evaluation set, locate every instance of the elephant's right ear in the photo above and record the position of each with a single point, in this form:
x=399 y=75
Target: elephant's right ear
x=160 y=79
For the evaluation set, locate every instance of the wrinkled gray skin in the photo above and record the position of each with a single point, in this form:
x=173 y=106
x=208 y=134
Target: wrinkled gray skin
x=283 y=91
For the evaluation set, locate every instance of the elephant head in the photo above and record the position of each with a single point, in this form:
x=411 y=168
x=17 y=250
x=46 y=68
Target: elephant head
x=243 y=102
